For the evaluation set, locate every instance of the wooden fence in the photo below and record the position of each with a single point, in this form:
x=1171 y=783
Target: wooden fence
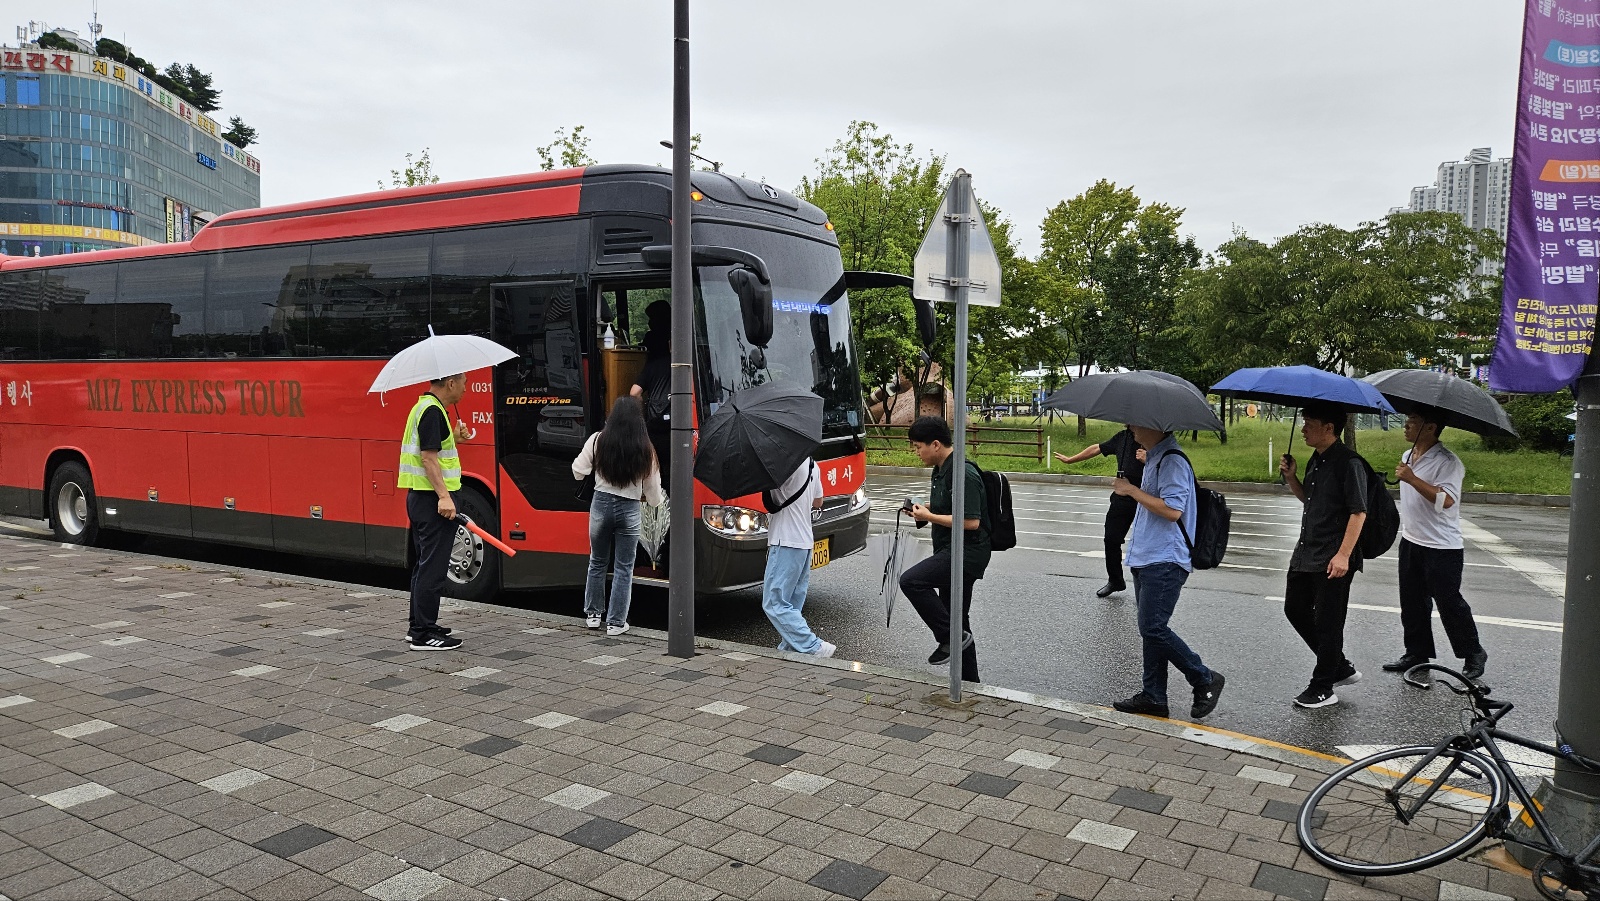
x=989 y=440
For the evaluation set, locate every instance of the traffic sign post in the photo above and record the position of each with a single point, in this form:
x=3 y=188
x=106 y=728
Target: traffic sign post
x=955 y=262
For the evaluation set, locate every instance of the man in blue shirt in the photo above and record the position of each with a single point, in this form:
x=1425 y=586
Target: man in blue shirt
x=1159 y=558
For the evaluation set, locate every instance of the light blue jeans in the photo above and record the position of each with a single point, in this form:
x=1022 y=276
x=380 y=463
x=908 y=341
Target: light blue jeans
x=783 y=595
x=613 y=531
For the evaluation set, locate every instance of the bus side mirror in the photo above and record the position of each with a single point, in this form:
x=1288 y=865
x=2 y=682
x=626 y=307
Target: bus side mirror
x=755 y=305
x=927 y=325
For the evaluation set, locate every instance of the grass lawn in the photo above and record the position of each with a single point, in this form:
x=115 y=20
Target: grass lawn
x=1245 y=457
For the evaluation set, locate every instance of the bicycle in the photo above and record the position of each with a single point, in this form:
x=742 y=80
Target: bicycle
x=1407 y=809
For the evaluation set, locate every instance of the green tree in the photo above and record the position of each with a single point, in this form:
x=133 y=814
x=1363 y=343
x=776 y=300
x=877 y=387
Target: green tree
x=418 y=171
x=880 y=196
x=1139 y=279
x=570 y=150
x=194 y=86
x=238 y=133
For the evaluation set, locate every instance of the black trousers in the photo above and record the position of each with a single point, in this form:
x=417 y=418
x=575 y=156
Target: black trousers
x=1428 y=577
x=434 y=535
x=1119 y=519
x=1316 y=606
x=927 y=586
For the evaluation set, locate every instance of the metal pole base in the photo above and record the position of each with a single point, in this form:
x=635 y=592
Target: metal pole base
x=1573 y=817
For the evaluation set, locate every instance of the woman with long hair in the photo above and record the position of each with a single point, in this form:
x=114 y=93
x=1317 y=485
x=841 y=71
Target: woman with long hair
x=625 y=469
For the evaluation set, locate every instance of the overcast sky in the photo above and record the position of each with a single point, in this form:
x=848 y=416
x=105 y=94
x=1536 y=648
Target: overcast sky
x=1261 y=116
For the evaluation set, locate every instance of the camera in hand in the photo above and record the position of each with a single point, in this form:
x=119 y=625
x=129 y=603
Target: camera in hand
x=905 y=508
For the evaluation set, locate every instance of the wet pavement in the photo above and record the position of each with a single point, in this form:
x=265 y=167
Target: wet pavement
x=173 y=729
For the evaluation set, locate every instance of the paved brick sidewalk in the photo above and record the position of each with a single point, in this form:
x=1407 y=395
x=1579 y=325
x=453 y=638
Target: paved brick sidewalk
x=176 y=732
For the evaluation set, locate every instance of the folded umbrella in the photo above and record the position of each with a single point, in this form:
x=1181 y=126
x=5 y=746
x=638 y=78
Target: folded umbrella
x=1460 y=404
x=1153 y=400
x=437 y=357
x=1300 y=386
x=757 y=439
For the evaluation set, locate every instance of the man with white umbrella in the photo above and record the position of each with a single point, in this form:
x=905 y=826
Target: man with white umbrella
x=431 y=469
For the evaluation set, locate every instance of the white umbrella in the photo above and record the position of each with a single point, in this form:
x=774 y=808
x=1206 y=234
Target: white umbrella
x=436 y=357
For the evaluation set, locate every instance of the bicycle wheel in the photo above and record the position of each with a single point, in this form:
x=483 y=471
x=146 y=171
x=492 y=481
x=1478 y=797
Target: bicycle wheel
x=1375 y=817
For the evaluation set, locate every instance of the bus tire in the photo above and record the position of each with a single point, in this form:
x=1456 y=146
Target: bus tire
x=474 y=571
x=70 y=505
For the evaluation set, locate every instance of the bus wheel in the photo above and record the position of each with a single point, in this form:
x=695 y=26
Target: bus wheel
x=474 y=573
x=73 y=514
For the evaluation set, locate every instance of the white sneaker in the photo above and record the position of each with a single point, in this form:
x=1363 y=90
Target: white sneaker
x=592 y=622
x=616 y=630
x=825 y=650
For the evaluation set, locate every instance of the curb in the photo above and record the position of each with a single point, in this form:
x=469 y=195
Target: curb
x=1268 y=488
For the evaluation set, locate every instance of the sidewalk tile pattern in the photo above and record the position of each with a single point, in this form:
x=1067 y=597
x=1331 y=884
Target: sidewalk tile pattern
x=347 y=767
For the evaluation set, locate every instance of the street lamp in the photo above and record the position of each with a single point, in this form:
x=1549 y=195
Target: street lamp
x=715 y=166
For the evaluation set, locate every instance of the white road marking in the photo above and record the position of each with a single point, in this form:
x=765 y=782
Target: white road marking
x=1547 y=577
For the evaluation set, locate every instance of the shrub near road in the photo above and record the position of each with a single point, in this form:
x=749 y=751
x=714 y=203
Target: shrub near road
x=1245 y=458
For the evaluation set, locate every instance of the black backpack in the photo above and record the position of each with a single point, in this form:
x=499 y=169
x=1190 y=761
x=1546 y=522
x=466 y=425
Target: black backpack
x=1383 y=517
x=658 y=400
x=997 y=501
x=1212 y=521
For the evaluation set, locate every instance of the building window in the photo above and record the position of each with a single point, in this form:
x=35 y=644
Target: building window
x=27 y=92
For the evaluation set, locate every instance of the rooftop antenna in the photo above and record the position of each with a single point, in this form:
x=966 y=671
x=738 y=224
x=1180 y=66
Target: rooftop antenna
x=94 y=26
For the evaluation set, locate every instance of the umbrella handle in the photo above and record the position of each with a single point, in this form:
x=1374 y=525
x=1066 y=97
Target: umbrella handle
x=462 y=519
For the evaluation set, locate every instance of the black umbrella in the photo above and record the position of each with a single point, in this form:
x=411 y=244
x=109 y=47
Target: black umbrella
x=757 y=439
x=1154 y=400
x=1459 y=403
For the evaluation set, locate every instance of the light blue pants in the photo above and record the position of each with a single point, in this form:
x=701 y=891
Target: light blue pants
x=613 y=530
x=783 y=595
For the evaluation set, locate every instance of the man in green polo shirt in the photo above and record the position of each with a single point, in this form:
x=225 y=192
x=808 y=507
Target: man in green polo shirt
x=927 y=584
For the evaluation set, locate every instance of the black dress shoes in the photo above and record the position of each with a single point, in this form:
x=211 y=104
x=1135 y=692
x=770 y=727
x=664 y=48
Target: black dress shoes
x=1404 y=663
x=1109 y=589
x=1472 y=668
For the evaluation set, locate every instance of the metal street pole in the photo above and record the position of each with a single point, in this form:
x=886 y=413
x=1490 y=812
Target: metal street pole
x=960 y=233
x=680 y=594
x=1578 y=704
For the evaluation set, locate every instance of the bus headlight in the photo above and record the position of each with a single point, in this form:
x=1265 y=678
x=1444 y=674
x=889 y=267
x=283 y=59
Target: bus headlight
x=734 y=522
x=859 y=499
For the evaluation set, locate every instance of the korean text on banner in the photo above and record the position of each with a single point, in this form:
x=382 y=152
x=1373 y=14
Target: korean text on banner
x=1547 y=313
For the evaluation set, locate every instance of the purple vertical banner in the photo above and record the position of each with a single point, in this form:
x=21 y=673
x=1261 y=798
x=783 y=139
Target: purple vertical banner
x=1547 y=313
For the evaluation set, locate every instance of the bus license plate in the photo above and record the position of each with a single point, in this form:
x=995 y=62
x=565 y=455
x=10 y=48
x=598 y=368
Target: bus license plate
x=819 y=554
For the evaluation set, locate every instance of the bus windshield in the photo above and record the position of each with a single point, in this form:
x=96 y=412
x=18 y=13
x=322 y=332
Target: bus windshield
x=811 y=344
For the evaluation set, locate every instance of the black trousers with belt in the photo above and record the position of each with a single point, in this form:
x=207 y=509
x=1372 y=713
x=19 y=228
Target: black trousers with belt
x=1119 y=519
x=434 y=535
x=1431 y=577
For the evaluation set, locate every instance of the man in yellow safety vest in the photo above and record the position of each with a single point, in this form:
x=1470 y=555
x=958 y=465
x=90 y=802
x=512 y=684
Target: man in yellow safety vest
x=431 y=469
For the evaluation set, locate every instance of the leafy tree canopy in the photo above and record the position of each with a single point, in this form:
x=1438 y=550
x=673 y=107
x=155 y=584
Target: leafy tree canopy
x=569 y=149
x=418 y=171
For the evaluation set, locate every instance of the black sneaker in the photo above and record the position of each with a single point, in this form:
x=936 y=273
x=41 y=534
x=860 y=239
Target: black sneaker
x=1141 y=703
x=941 y=654
x=1316 y=697
x=1349 y=678
x=1474 y=665
x=435 y=643
x=446 y=630
x=1205 y=699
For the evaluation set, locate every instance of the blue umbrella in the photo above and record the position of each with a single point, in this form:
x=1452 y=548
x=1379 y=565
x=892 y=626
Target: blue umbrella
x=1299 y=386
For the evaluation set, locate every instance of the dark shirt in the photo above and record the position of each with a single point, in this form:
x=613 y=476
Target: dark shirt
x=656 y=381
x=975 y=544
x=1336 y=487
x=1126 y=450
x=432 y=429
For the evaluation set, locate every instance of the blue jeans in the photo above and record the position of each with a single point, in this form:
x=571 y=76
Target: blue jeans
x=783 y=594
x=613 y=531
x=1155 y=591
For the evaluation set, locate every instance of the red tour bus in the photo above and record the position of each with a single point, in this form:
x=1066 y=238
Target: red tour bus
x=216 y=389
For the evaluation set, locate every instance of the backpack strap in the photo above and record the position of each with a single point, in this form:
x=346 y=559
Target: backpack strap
x=1195 y=481
x=767 y=497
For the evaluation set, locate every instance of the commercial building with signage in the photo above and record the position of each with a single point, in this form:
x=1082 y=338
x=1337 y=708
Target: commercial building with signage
x=93 y=155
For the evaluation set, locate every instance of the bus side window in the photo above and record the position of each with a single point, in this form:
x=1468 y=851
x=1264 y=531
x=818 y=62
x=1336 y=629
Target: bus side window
x=77 y=316
x=369 y=297
x=542 y=422
x=19 y=315
x=160 y=308
x=251 y=298
x=467 y=261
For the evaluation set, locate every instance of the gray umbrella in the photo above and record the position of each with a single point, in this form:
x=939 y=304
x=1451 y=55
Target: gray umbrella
x=1462 y=404
x=1154 y=400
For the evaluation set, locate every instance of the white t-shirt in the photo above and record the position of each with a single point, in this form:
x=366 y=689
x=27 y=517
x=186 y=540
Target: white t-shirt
x=1433 y=525
x=791 y=526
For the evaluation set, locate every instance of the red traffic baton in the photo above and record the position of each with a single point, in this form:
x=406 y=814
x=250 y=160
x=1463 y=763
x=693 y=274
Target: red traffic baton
x=474 y=529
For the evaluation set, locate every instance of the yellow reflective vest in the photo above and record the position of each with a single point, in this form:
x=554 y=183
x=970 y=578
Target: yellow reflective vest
x=412 y=475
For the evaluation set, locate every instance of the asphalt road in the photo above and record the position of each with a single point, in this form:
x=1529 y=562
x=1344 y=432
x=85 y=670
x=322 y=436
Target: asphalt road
x=1040 y=628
